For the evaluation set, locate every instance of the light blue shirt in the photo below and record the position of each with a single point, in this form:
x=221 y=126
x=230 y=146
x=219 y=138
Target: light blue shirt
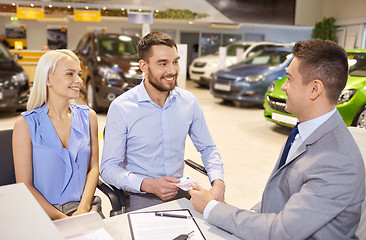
x=144 y=140
x=59 y=173
x=305 y=130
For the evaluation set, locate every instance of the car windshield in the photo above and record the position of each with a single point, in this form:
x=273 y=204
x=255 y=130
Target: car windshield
x=4 y=54
x=117 y=46
x=268 y=57
x=231 y=49
x=357 y=64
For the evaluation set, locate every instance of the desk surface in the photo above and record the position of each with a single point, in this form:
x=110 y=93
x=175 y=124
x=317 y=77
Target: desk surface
x=119 y=224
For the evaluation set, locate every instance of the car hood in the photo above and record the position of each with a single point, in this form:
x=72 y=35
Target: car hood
x=353 y=82
x=123 y=62
x=240 y=70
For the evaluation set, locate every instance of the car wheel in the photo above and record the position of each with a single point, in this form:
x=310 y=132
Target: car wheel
x=361 y=121
x=90 y=97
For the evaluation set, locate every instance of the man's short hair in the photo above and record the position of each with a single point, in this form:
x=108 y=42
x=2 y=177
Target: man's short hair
x=324 y=60
x=151 y=39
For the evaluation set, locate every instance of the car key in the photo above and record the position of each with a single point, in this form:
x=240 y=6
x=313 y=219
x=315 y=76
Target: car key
x=184 y=236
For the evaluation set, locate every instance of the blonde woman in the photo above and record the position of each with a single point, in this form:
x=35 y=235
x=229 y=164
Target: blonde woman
x=55 y=142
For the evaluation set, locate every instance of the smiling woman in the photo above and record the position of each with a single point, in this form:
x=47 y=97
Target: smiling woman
x=55 y=143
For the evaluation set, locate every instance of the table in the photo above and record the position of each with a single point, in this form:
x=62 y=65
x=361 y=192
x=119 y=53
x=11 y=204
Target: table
x=118 y=225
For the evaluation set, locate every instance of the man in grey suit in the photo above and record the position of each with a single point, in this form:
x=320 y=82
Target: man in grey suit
x=316 y=191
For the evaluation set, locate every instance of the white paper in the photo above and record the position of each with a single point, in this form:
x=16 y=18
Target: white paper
x=186 y=183
x=147 y=226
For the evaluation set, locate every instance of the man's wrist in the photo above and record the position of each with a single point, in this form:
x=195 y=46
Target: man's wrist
x=210 y=205
x=146 y=185
x=218 y=183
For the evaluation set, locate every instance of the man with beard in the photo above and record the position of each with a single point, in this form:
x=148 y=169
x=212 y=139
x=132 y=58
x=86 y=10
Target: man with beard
x=146 y=129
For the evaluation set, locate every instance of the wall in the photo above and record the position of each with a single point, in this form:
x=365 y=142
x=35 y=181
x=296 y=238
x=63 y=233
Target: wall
x=341 y=10
x=351 y=18
x=308 y=12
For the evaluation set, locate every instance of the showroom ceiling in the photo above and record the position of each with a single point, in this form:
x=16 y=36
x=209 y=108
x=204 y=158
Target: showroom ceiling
x=239 y=11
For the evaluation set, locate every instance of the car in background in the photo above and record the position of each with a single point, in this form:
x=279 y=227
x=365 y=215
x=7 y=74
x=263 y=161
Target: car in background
x=202 y=68
x=110 y=66
x=247 y=82
x=351 y=103
x=14 y=82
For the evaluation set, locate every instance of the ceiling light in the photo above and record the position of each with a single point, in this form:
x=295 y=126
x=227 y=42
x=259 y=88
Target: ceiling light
x=122 y=9
x=86 y=7
x=50 y=6
x=13 y=4
x=104 y=8
x=32 y=5
x=157 y=10
x=68 y=6
x=140 y=10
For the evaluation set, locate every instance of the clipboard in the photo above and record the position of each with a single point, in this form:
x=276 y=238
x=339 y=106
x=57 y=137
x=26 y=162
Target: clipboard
x=146 y=225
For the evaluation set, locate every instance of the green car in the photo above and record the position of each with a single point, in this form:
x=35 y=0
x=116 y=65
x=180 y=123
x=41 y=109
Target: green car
x=351 y=103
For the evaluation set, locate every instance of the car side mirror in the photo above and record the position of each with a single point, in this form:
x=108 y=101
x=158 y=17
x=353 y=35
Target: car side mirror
x=17 y=56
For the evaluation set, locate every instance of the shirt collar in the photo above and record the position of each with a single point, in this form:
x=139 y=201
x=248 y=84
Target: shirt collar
x=308 y=127
x=143 y=96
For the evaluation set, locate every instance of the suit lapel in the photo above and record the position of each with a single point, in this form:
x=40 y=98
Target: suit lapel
x=322 y=130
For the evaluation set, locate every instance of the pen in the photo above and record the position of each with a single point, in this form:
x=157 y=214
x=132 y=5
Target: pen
x=160 y=214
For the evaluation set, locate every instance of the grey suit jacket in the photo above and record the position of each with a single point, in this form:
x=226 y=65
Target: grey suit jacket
x=317 y=194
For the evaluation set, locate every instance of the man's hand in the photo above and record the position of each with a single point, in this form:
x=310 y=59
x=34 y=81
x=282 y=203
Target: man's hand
x=200 y=197
x=163 y=187
x=218 y=190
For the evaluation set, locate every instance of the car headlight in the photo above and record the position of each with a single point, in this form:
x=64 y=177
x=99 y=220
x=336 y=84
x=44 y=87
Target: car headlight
x=19 y=78
x=254 y=78
x=271 y=87
x=346 y=95
x=109 y=73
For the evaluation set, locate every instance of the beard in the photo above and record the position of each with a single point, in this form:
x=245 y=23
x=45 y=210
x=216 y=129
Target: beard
x=158 y=82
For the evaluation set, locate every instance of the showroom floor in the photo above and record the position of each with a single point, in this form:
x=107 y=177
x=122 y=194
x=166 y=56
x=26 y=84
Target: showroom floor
x=249 y=146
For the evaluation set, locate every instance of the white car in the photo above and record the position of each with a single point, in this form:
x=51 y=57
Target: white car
x=202 y=68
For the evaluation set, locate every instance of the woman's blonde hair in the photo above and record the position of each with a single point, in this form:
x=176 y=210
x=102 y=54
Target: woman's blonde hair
x=45 y=66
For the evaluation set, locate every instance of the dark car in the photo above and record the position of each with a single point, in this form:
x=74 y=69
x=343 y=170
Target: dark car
x=14 y=82
x=248 y=81
x=109 y=63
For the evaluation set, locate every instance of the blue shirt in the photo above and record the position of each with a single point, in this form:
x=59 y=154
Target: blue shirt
x=59 y=174
x=306 y=129
x=144 y=140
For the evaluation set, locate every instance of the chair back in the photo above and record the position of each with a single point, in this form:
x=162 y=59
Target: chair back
x=7 y=174
x=359 y=134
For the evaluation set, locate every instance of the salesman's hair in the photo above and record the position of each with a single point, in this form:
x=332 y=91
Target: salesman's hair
x=46 y=66
x=152 y=39
x=324 y=60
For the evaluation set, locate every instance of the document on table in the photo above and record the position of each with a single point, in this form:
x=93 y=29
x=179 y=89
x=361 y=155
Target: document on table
x=152 y=225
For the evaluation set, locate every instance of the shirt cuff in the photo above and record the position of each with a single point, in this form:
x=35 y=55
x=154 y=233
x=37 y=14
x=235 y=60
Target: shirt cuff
x=208 y=208
x=134 y=183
